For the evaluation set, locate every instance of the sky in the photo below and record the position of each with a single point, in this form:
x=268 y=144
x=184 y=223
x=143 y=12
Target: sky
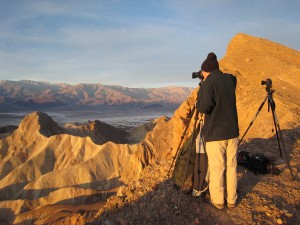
x=132 y=43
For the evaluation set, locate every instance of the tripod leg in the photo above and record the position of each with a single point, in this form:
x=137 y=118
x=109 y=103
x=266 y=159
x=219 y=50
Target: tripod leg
x=260 y=107
x=279 y=136
x=187 y=162
x=182 y=137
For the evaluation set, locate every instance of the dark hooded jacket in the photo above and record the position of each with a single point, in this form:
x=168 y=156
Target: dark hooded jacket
x=216 y=99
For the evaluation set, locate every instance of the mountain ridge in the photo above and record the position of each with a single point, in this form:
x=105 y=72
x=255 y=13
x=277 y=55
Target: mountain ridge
x=30 y=93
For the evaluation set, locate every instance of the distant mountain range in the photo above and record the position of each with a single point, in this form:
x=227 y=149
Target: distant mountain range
x=29 y=94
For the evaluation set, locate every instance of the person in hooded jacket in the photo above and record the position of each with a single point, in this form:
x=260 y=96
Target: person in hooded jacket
x=217 y=100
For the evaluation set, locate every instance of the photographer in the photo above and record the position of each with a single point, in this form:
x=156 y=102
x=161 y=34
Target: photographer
x=216 y=99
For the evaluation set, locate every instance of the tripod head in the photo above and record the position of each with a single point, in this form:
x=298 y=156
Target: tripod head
x=270 y=91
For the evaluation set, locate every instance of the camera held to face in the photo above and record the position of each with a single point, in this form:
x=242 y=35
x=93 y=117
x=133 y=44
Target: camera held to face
x=197 y=75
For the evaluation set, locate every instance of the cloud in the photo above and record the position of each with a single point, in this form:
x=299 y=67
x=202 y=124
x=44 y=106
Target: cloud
x=130 y=42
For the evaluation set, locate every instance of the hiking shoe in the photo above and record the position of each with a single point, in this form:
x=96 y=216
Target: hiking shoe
x=231 y=205
x=218 y=206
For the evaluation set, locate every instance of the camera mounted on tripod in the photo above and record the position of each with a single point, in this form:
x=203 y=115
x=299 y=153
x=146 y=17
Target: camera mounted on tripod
x=198 y=75
x=268 y=83
x=271 y=104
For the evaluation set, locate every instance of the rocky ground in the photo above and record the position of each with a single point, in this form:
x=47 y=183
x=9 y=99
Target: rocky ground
x=263 y=198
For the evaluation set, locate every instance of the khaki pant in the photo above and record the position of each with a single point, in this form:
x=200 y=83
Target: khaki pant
x=221 y=157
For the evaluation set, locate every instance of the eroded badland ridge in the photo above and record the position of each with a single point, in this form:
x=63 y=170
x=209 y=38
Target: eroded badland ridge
x=97 y=174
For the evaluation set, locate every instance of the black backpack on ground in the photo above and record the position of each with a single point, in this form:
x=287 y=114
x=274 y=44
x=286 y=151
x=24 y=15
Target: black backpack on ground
x=257 y=163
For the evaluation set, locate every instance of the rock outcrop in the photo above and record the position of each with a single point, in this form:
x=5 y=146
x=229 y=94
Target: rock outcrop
x=253 y=60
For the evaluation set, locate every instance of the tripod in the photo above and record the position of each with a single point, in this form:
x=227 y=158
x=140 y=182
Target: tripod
x=195 y=128
x=194 y=75
x=271 y=104
x=193 y=114
x=182 y=137
x=189 y=155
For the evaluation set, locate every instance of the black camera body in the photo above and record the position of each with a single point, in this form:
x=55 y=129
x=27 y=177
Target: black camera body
x=197 y=75
x=268 y=83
